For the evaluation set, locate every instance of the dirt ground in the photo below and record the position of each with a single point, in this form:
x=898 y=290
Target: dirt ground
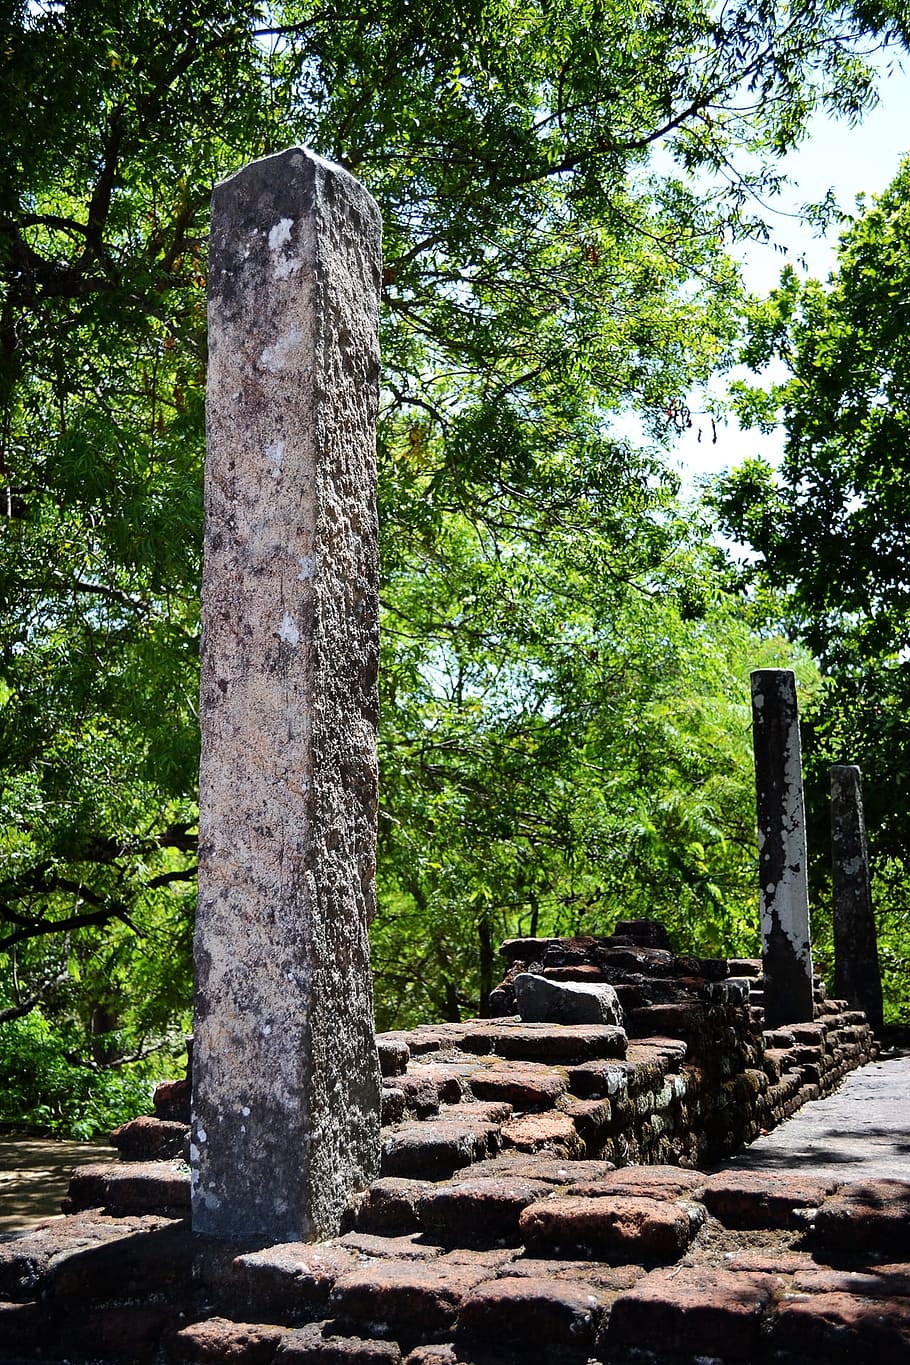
x=34 y=1173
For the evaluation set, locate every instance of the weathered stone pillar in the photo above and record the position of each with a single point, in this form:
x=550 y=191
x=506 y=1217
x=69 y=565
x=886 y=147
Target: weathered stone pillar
x=285 y=1074
x=781 y=848
x=857 y=977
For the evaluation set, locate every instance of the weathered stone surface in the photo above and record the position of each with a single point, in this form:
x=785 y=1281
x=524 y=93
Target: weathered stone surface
x=171 y=1101
x=555 y=1044
x=124 y=1267
x=435 y=1149
x=554 y=1132
x=607 y=1227
x=544 y=1001
x=412 y=1247
x=388 y=1206
x=525 y=1086
x=871 y=1215
x=291 y=1281
x=150 y=1139
x=286 y=1077
x=645 y=1182
x=537 y=1312
x=857 y=976
x=319 y=1344
x=875 y=1282
x=394 y=1055
x=843 y=1329
x=477 y=1212
x=129 y=1187
x=784 y=895
x=26 y=1262
x=218 y=1341
x=692 y=1313
x=762 y=1199
x=415 y=1298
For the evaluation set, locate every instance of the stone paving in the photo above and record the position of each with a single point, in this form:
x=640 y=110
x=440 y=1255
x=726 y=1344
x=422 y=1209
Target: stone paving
x=860 y=1132
x=517 y=1256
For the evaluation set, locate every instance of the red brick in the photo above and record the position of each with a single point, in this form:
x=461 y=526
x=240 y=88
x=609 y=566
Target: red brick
x=607 y=1227
x=148 y=1139
x=537 y=1132
x=388 y=1205
x=556 y=1044
x=538 y=1312
x=409 y=1248
x=760 y=1199
x=693 y=1312
x=524 y=1087
x=436 y=1149
x=843 y=1328
x=130 y=1187
x=292 y=1280
x=645 y=1182
x=218 y=1340
x=318 y=1344
x=412 y=1298
x=876 y=1282
x=872 y=1215
x=477 y=1211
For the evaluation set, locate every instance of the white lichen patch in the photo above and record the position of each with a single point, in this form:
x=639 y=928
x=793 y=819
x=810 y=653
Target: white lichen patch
x=274 y=453
x=278 y=357
x=306 y=567
x=280 y=234
x=288 y=631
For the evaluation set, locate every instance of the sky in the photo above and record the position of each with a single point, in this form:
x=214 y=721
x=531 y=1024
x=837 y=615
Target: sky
x=859 y=160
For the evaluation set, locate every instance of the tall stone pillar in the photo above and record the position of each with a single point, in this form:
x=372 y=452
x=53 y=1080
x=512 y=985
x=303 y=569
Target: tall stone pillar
x=857 y=977
x=285 y=1074
x=784 y=893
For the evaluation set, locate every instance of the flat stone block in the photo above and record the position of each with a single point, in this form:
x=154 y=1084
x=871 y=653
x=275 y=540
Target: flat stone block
x=291 y=1281
x=876 y=1282
x=434 y=1150
x=556 y=1044
x=412 y=1247
x=842 y=1329
x=693 y=1312
x=218 y=1341
x=533 y=1312
x=470 y=1212
x=609 y=1227
x=868 y=1216
x=389 y=1205
x=130 y=1187
x=758 y=1199
x=552 y=1131
x=394 y=1055
x=645 y=1182
x=151 y=1139
x=318 y=1344
x=524 y=1087
x=414 y=1299
x=125 y=1267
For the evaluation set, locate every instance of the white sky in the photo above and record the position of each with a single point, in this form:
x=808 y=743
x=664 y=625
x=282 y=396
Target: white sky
x=860 y=160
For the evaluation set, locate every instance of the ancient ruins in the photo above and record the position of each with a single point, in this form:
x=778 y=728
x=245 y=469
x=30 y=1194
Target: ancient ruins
x=549 y=1184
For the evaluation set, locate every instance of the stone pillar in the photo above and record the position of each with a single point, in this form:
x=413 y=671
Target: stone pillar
x=856 y=970
x=285 y=1074
x=781 y=848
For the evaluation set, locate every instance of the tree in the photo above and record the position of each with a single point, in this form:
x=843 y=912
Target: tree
x=540 y=277
x=832 y=524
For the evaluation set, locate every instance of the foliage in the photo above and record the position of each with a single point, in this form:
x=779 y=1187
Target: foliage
x=831 y=526
x=541 y=277
x=41 y=1084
